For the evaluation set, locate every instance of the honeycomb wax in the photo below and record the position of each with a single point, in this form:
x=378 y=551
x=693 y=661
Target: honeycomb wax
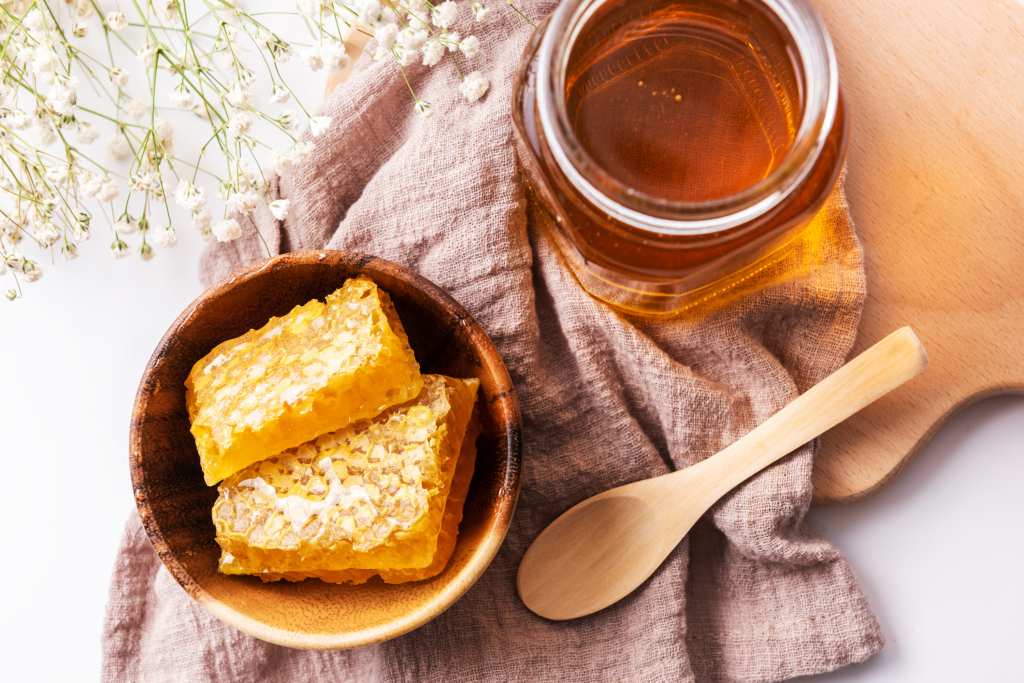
x=368 y=496
x=318 y=368
x=445 y=541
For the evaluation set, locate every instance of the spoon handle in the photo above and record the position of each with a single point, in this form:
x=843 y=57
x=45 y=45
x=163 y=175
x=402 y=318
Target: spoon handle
x=874 y=373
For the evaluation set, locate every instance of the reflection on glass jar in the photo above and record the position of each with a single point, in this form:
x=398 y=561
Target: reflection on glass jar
x=678 y=144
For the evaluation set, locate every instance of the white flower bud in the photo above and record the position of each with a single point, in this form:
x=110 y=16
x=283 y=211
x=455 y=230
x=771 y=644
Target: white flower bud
x=480 y=10
x=318 y=125
x=385 y=35
x=118 y=77
x=411 y=39
x=186 y=99
x=189 y=196
x=369 y=12
x=474 y=86
x=109 y=191
x=280 y=94
x=445 y=14
x=333 y=54
x=83 y=9
x=116 y=21
x=227 y=230
x=126 y=225
x=87 y=133
x=241 y=203
x=239 y=124
x=470 y=46
x=166 y=237
x=432 y=52
x=313 y=58
x=279 y=208
x=119 y=248
x=118 y=149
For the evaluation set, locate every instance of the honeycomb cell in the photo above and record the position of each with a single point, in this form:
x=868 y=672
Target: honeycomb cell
x=321 y=367
x=371 y=496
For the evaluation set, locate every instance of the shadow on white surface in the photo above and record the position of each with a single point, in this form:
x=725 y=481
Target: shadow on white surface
x=938 y=552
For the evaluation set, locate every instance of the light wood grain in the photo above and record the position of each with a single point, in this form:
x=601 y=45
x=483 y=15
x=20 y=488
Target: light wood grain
x=935 y=92
x=601 y=549
x=935 y=96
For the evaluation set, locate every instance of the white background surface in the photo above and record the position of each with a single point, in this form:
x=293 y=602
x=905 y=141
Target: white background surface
x=938 y=552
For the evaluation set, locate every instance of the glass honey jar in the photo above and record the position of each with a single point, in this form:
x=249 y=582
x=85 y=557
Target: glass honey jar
x=679 y=145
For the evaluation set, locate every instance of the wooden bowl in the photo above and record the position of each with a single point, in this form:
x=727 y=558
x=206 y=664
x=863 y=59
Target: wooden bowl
x=175 y=504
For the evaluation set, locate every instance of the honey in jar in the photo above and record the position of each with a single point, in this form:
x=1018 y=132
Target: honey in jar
x=677 y=143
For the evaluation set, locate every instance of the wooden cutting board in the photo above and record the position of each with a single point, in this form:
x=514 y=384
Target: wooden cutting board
x=935 y=91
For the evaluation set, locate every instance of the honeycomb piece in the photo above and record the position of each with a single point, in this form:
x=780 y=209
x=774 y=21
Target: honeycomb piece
x=369 y=496
x=445 y=540
x=319 y=368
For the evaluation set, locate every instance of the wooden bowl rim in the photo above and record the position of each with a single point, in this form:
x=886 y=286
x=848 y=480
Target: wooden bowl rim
x=502 y=509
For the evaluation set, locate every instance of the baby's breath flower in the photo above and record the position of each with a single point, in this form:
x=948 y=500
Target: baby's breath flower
x=279 y=208
x=164 y=135
x=118 y=77
x=168 y=10
x=201 y=221
x=474 y=86
x=126 y=225
x=61 y=97
x=369 y=12
x=479 y=10
x=80 y=29
x=318 y=125
x=166 y=237
x=240 y=96
x=279 y=95
x=432 y=52
x=190 y=196
x=411 y=39
x=385 y=35
x=333 y=54
x=116 y=21
x=184 y=98
x=445 y=14
x=119 y=248
x=470 y=46
x=69 y=250
x=242 y=203
x=145 y=251
x=83 y=8
x=146 y=55
x=135 y=109
x=109 y=191
x=227 y=230
x=239 y=124
x=87 y=133
x=424 y=109
x=118 y=149
x=314 y=58
x=406 y=57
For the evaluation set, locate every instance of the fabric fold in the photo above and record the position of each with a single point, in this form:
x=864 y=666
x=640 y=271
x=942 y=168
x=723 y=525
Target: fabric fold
x=752 y=595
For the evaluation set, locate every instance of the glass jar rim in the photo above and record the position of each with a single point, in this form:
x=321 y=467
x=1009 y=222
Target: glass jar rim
x=820 y=103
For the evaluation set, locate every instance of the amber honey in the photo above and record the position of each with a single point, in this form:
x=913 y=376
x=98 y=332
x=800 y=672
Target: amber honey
x=678 y=143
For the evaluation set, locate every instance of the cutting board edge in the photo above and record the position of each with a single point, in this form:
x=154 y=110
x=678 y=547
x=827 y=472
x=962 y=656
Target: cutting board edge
x=1009 y=389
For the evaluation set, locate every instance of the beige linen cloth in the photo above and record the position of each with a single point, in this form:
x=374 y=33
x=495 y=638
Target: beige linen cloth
x=751 y=595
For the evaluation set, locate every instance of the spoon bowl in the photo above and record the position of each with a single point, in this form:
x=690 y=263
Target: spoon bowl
x=603 y=548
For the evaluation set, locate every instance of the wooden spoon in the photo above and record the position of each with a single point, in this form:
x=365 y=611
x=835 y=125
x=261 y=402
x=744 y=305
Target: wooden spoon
x=601 y=549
